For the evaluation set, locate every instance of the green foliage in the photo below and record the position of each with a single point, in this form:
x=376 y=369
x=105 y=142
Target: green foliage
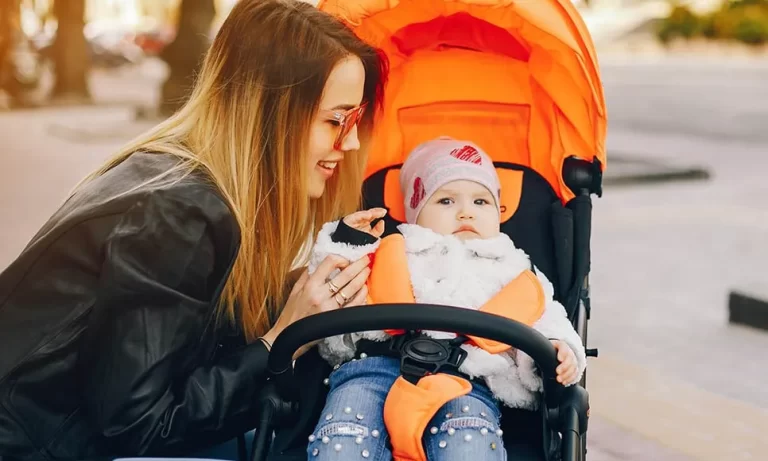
x=745 y=21
x=681 y=22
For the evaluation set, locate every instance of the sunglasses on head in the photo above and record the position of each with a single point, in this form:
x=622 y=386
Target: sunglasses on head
x=347 y=120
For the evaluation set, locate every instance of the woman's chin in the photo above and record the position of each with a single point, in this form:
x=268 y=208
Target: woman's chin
x=316 y=189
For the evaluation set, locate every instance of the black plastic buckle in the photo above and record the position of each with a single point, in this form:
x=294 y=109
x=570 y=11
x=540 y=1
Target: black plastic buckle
x=421 y=355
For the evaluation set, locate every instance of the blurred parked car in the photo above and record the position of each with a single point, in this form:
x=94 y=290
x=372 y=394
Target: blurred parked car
x=109 y=46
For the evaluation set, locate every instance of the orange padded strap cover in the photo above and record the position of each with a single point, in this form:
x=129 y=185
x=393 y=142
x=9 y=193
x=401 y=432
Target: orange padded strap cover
x=409 y=408
x=522 y=300
x=390 y=281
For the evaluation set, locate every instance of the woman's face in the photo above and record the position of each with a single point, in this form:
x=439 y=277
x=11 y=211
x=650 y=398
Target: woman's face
x=343 y=92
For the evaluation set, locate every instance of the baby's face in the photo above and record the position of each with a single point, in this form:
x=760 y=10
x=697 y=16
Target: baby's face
x=461 y=208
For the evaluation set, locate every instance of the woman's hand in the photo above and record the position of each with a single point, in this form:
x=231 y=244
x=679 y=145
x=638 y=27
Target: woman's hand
x=362 y=220
x=568 y=369
x=318 y=293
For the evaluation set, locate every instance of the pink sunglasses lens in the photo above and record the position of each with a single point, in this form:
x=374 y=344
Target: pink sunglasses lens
x=351 y=119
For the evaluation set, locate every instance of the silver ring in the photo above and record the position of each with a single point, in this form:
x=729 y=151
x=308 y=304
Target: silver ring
x=332 y=288
x=336 y=298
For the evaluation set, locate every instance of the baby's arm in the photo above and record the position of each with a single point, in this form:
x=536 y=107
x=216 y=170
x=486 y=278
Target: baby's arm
x=553 y=324
x=339 y=238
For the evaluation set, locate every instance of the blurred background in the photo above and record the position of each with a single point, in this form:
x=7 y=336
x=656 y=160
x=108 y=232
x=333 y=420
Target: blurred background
x=680 y=237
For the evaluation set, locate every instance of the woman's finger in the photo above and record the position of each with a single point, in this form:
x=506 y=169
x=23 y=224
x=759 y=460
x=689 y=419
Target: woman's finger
x=328 y=265
x=344 y=277
x=360 y=299
x=332 y=303
x=300 y=282
x=356 y=284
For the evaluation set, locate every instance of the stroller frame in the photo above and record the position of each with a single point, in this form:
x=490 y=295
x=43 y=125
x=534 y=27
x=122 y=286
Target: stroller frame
x=540 y=72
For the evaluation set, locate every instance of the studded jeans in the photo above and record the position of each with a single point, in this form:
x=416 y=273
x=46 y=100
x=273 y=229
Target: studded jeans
x=351 y=426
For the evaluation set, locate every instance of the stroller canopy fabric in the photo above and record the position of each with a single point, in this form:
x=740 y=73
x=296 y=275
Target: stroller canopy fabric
x=518 y=77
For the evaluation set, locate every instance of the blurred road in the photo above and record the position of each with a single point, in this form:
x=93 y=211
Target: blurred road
x=674 y=381
x=694 y=97
x=665 y=257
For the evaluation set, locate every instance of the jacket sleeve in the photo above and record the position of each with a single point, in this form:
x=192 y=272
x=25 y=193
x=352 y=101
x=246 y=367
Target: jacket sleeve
x=351 y=236
x=147 y=384
x=553 y=324
x=336 y=238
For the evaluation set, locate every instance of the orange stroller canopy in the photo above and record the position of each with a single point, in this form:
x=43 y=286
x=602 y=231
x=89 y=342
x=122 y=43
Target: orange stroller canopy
x=518 y=77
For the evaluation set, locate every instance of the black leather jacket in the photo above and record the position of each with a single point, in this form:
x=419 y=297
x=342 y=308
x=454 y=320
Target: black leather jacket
x=108 y=345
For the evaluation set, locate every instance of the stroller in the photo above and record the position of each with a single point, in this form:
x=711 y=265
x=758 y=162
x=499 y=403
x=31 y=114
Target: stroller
x=520 y=79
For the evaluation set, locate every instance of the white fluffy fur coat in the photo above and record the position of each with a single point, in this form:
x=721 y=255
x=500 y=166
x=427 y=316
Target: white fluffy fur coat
x=445 y=270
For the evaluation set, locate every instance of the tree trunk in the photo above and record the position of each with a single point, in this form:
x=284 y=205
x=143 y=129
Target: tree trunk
x=9 y=33
x=71 y=58
x=185 y=53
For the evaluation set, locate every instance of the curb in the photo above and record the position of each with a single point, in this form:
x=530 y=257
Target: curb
x=677 y=175
x=748 y=307
x=624 y=171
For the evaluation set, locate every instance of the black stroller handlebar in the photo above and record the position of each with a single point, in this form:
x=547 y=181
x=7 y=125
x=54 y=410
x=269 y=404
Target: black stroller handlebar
x=413 y=317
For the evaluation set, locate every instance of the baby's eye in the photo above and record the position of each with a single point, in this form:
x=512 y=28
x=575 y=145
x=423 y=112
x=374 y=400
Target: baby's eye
x=481 y=201
x=445 y=201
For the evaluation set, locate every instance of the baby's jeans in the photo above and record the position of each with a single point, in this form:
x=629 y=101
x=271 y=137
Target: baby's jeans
x=351 y=426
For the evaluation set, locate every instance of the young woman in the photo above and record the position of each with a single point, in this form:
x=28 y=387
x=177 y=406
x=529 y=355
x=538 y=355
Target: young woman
x=138 y=321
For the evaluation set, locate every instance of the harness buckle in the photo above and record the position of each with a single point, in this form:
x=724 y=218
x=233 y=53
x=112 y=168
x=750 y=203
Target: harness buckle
x=421 y=355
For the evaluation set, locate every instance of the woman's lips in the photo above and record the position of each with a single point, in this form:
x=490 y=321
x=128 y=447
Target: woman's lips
x=327 y=168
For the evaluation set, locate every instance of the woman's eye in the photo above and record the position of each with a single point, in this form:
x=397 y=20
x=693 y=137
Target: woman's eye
x=334 y=122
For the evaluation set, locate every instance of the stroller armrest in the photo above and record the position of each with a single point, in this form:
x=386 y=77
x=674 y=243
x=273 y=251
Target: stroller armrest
x=573 y=400
x=570 y=418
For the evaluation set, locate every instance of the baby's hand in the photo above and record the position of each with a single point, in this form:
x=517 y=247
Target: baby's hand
x=362 y=221
x=568 y=369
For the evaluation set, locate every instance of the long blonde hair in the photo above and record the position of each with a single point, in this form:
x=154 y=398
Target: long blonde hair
x=246 y=125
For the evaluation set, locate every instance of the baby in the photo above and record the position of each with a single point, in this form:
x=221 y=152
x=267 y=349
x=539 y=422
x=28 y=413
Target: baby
x=450 y=252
